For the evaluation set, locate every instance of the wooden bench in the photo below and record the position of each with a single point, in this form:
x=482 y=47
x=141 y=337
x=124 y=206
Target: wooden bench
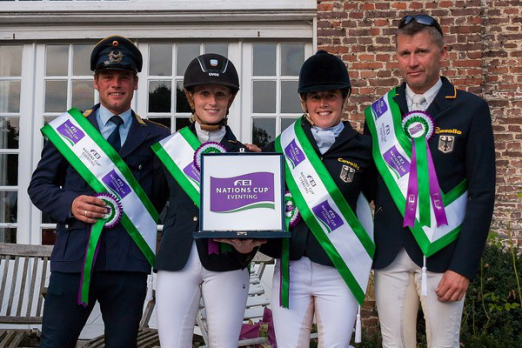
x=24 y=271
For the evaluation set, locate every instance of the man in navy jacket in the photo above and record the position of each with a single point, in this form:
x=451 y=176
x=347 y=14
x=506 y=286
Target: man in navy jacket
x=462 y=149
x=120 y=271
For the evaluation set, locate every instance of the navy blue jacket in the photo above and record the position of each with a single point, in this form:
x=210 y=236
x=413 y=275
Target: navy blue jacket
x=182 y=220
x=55 y=184
x=350 y=153
x=467 y=119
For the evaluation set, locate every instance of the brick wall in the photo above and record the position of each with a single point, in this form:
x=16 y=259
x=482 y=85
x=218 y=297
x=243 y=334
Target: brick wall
x=484 y=40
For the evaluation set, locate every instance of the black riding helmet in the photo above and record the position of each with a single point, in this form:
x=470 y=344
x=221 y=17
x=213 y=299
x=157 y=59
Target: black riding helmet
x=324 y=72
x=211 y=69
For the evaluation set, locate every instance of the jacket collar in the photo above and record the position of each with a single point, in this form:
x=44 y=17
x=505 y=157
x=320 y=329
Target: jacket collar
x=229 y=140
x=443 y=99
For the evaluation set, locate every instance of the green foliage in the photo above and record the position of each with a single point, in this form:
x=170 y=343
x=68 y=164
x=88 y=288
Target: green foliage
x=492 y=311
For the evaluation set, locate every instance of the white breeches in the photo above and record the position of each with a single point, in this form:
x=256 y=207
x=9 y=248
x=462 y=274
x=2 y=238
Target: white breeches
x=398 y=293
x=314 y=290
x=178 y=296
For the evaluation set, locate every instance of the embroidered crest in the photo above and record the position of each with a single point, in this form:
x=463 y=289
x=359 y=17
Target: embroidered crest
x=115 y=58
x=347 y=174
x=446 y=143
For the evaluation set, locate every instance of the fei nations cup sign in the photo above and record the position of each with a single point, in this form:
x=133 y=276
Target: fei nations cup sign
x=242 y=196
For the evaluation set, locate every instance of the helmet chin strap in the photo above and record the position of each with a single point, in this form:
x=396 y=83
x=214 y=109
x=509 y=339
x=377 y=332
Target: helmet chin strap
x=209 y=127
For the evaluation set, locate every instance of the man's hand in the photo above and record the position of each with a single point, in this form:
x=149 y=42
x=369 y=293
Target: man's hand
x=244 y=246
x=88 y=209
x=452 y=287
x=253 y=147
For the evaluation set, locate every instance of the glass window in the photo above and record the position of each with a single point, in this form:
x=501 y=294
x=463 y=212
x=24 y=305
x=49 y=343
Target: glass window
x=186 y=52
x=289 y=97
x=57 y=60
x=8 y=235
x=263 y=131
x=10 y=60
x=8 y=206
x=82 y=60
x=264 y=59
x=264 y=96
x=160 y=60
x=56 y=96
x=182 y=104
x=9 y=130
x=160 y=94
x=8 y=169
x=219 y=48
x=82 y=94
x=292 y=57
x=10 y=96
x=287 y=122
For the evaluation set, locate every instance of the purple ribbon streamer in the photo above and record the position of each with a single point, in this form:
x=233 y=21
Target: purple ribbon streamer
x=213 y=247
x=412 y=193
x=436 y=197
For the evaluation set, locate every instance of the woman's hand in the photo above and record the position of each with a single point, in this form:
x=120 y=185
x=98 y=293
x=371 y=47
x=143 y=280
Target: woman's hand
x=244 y=246
x=253 y=147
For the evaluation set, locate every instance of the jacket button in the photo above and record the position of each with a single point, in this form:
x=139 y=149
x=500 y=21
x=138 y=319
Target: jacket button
x=139 y=167
x=195 y=218
x=66 y=226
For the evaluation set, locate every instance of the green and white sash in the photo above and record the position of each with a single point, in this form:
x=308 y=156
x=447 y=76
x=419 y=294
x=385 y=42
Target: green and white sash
x=177 y=154
x=392 y=151
x=347 y=241
x=104 y=170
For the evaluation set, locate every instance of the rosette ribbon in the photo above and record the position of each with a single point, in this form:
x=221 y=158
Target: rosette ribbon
x=111 y=219
x=211 y=147
x=292 y=218
x=423 y=185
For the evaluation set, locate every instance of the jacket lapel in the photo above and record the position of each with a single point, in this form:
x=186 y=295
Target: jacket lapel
x=138 y=132
x=444 y=98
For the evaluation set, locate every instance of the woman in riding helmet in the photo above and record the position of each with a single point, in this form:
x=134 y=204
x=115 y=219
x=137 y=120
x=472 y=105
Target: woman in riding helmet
x=329 y=164
x=188 y=268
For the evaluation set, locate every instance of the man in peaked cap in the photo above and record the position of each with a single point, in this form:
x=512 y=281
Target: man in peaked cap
x=119 y=277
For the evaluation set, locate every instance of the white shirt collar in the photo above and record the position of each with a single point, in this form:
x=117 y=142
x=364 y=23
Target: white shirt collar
x=430 y=94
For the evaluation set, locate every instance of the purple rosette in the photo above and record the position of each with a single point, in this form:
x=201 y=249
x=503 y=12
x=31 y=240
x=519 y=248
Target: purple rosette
x=114 y=209
x=208 y=147
x=291 y=210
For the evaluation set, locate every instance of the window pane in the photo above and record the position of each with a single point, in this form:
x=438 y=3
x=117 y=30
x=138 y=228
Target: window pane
x=161 y=120
x=289 y=97
x=264 y=94
x=160 y=60
x=264 y=59
x=186 y=52
x=182 y=122
x=8 y=235
x=48 y=236
x=182 y=104
x=160 y=93
x=82 y=94
x=8 y=203
x=8 y=169
x=10 y=60
x=10 y=96
x=57 y=59
x=286 y=122
x=56 y=96
x=263 y=131
x=217 y=48
x=292 y=57
x=9 y=130
x=82 y=60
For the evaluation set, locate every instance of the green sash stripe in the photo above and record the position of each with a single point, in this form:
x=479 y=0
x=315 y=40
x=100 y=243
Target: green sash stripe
x=335 y=193
x=317 y=230
x=116 y=159
x=97 y=186
x=190 y=138
x=428 y=248
x=180 y=177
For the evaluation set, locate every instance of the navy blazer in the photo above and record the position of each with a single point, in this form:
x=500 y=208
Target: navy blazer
x=462 y=148
x=181 y=222
x=55 y=184
x=350 y=153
